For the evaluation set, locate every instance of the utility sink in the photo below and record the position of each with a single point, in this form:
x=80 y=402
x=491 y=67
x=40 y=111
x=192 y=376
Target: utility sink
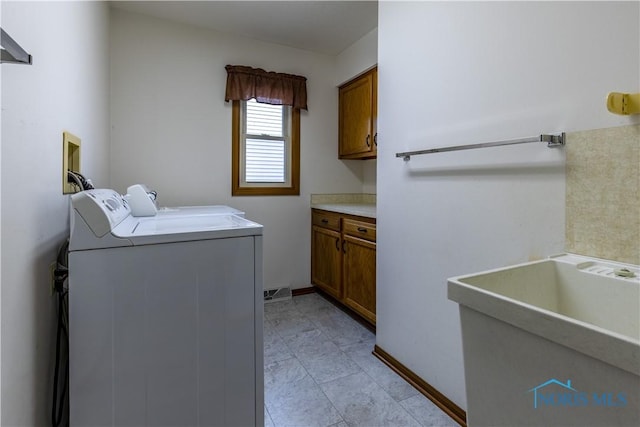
x=551 y=343
x=586 y=304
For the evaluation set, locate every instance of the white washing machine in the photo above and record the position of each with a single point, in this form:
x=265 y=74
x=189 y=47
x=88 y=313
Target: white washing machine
x=199 y=210
x=165 y=316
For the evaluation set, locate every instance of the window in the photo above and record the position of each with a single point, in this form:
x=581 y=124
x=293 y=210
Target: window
x=265 y=130
x=265 y=149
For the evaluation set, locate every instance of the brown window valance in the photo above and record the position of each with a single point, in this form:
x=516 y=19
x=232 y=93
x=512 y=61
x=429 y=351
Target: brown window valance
x=244 y=83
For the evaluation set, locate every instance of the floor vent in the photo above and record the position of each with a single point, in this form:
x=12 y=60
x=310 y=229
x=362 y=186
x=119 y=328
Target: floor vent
x=280 y=294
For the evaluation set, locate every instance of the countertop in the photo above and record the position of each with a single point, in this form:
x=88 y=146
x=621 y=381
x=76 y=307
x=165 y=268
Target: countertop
x=358 y=204
x=367 y=210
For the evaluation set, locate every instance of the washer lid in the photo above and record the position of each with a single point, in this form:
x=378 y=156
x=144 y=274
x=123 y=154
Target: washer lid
x=199 y=210
x=166 y=229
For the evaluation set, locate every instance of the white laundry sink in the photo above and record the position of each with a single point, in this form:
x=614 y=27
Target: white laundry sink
x=552 y=342
x=573 y=300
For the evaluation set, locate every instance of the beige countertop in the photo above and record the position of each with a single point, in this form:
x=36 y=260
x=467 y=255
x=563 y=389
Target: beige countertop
x=358 y=204
x=367 y=210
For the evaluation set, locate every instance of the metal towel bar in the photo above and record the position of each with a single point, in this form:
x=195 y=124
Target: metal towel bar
x=11 y=52
x=551 y=140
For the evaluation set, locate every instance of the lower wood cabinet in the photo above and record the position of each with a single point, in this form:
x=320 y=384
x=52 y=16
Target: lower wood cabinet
x=343 y=260
x=326 y=260
x=359 y=276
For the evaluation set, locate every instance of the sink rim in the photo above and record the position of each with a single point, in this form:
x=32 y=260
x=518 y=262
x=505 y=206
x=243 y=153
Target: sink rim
x=612 y=347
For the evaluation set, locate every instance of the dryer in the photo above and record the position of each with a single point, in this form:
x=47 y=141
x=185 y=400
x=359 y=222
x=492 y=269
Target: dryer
x=165 y=316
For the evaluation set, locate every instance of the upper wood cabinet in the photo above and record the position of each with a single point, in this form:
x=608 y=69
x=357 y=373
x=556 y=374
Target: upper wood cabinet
x=358 y=112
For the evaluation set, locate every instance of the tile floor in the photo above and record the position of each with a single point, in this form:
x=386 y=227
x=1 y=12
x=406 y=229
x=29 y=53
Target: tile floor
x=319 y=371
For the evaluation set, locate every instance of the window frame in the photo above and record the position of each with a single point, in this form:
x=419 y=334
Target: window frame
x=240 y=188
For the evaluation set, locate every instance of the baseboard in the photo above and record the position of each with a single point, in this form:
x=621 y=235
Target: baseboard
x=439 y=399
x=303 y=291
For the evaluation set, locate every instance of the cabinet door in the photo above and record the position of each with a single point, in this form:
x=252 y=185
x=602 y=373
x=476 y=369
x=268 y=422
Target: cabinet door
x=359 y=276
x=374 y=111
x=356 y=101
x=326 y=260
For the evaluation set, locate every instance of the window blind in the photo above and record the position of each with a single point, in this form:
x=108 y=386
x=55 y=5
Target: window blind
x=265 y=142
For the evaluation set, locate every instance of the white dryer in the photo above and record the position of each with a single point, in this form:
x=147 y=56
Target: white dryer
x=165 y=316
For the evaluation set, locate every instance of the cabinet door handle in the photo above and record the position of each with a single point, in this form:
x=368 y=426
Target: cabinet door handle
x=338 y=244
x=375 y=139
x=362 y=229
x=325 y=221
x=368 y=138
x=344 y=251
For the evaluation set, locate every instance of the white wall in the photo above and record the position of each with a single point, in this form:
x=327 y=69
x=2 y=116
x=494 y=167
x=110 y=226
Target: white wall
x=66 y=88
x=0 y=245
x=171 y=129
x=369 y=176
x=357 y=58
x=353 y=61
x=454 y=73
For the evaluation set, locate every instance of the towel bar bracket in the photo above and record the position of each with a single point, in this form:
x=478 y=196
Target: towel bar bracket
x=554 y=140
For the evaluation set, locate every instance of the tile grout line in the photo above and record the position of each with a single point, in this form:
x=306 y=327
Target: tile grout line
x=294 y=356
x=295 y=308
x=269 y=414
x=316 y=382
x=388 y=394
x=345 y=376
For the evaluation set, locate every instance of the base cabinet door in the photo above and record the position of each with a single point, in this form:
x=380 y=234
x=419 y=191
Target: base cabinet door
x=326 y=260
x=359 y=276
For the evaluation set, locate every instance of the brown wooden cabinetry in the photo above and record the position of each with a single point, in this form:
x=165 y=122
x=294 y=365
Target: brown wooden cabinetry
x=357 y=121
x=359 y=267
x=343 y=260
x=326 y=253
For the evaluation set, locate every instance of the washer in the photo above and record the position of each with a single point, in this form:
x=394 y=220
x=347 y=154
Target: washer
x=200 y=210
x=165 y=316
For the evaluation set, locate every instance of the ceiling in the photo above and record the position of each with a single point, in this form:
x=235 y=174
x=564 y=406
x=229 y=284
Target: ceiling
x=319 y=26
